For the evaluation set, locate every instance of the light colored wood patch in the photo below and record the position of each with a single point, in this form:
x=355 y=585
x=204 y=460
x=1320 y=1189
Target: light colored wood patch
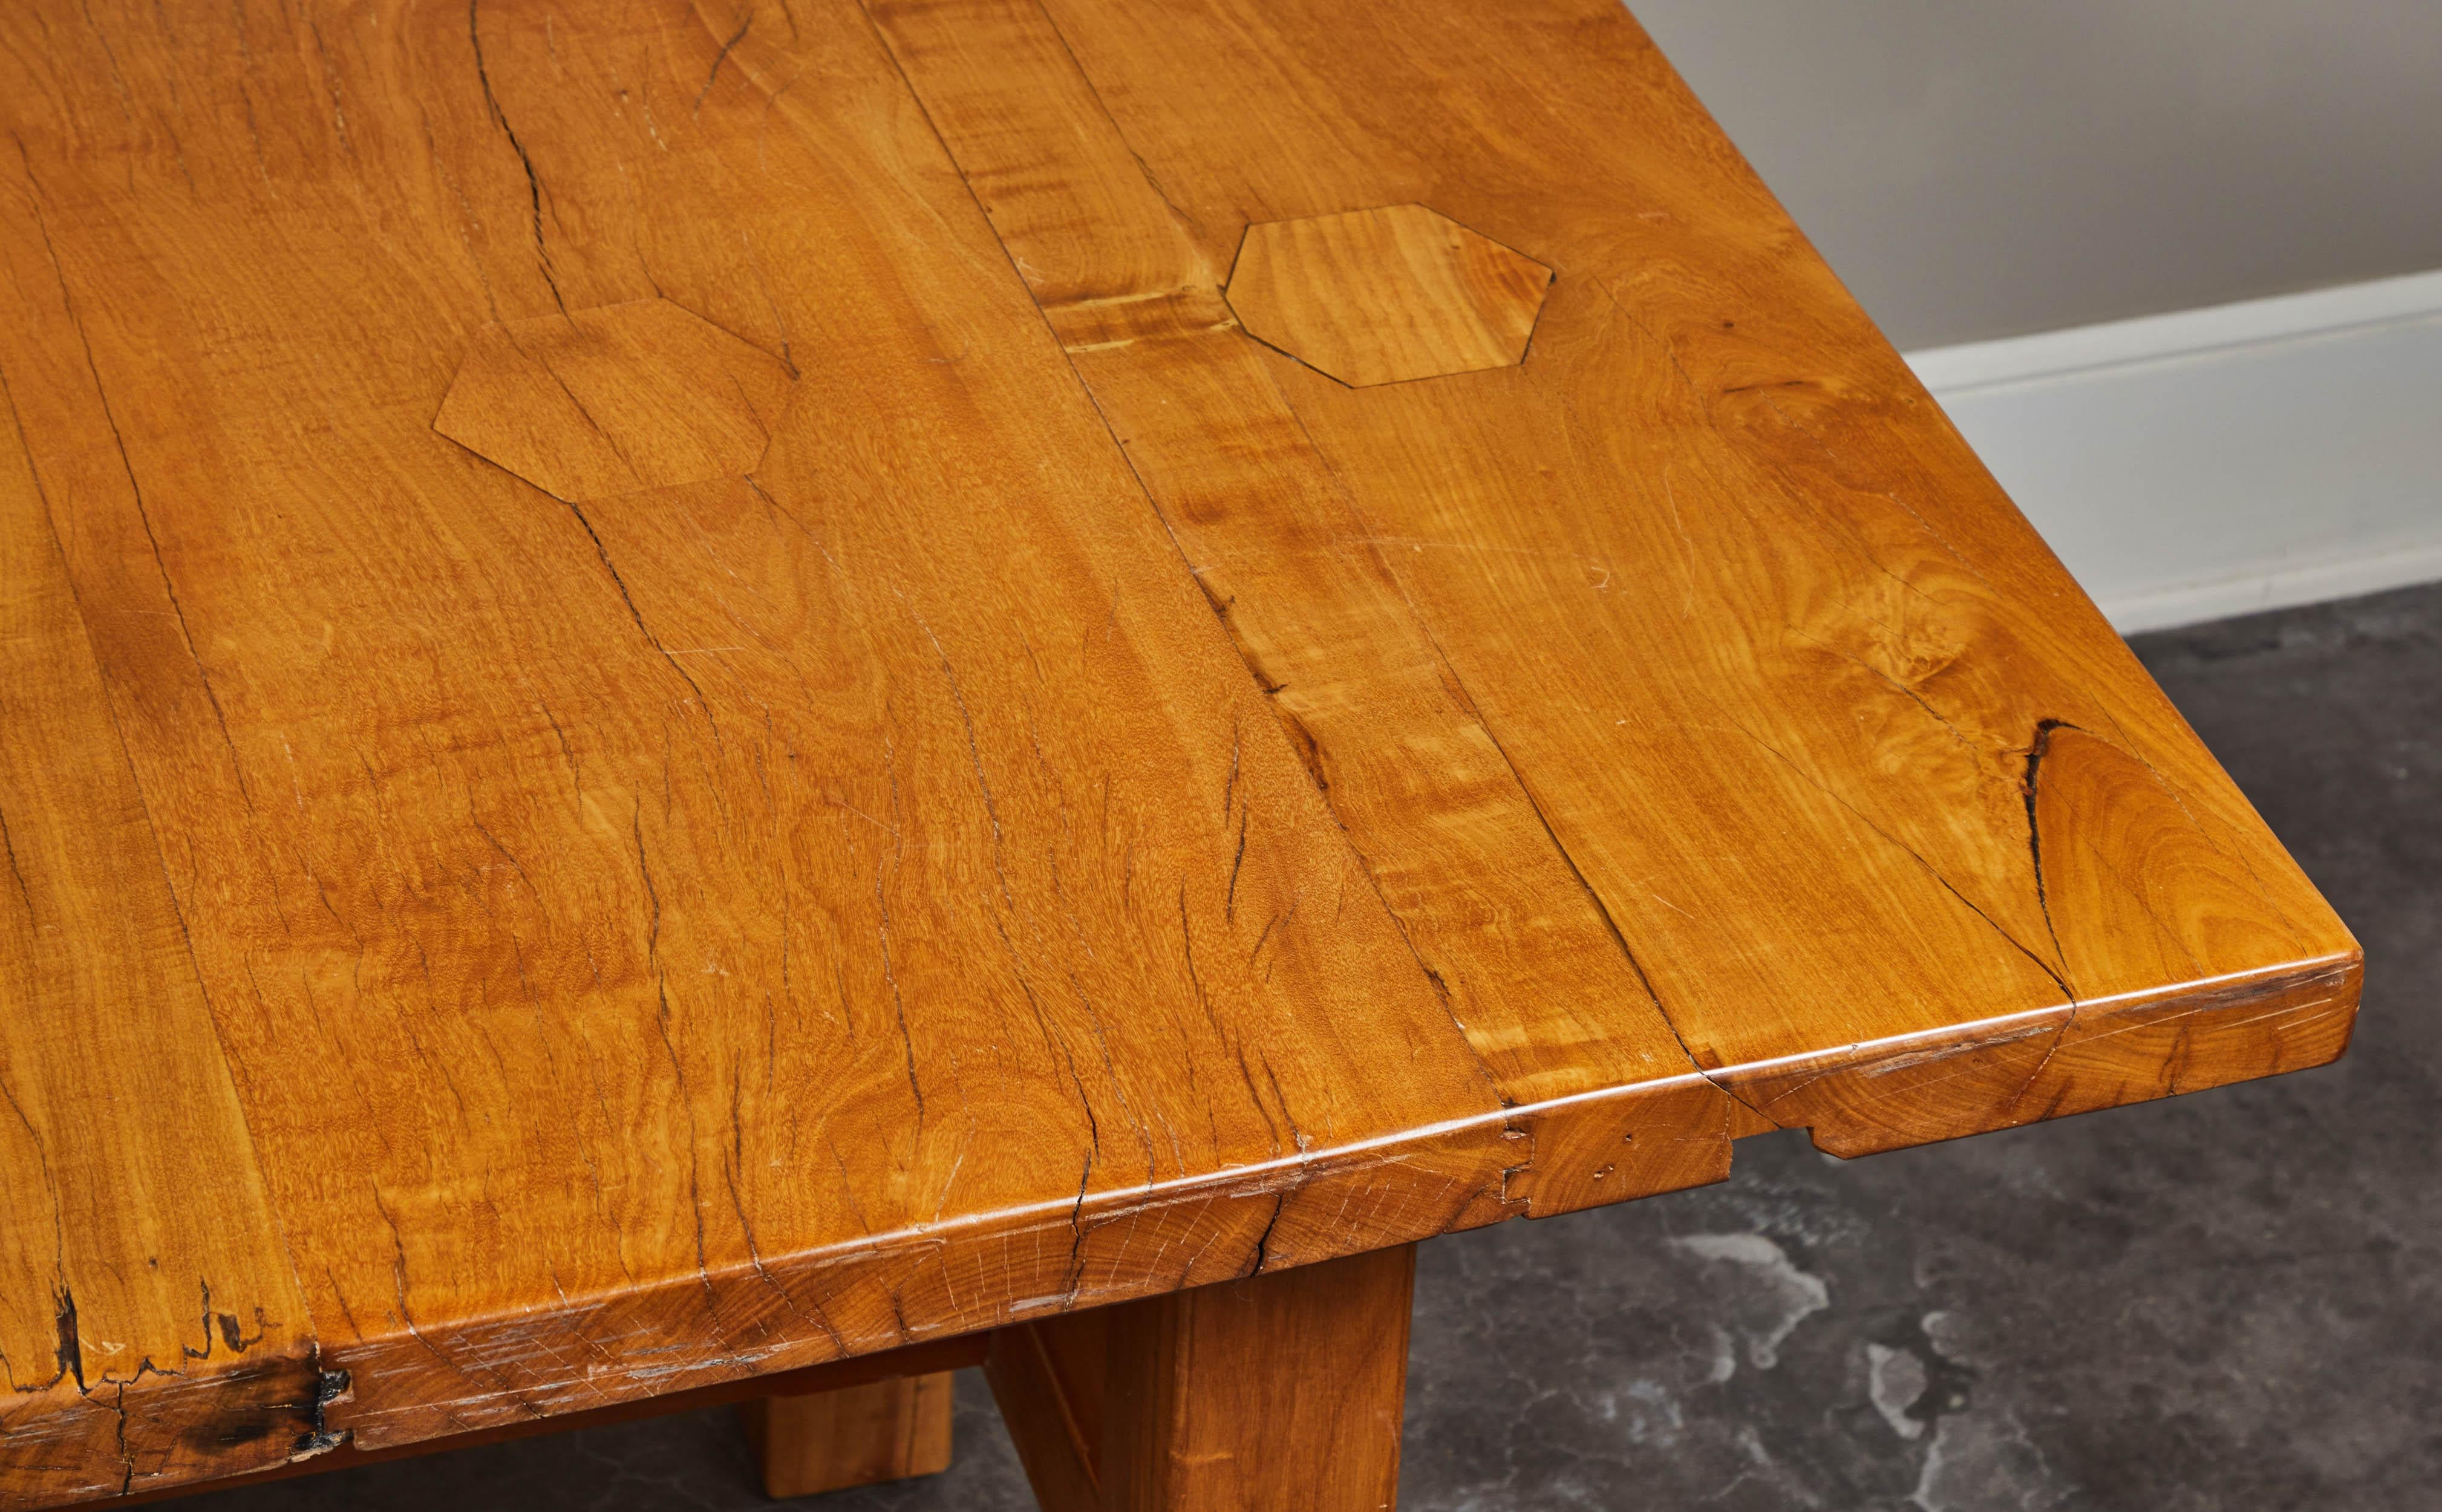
x=1382 y=296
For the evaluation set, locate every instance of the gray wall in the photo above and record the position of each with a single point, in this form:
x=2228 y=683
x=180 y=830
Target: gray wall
x=1982 y=168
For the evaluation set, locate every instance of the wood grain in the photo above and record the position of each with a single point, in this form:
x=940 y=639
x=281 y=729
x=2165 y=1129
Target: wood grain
x=1499 y=917
x=1276 y=1391
x=1049 y=1380
x=150 y=1329
x=853 y=1435
x=684 y=697
x=1385 y=295
x=725 y=926
x=598 y=403
x=939 y=1355
x=1778 y=636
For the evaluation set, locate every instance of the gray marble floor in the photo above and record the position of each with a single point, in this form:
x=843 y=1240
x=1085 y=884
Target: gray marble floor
x=2232 y=1300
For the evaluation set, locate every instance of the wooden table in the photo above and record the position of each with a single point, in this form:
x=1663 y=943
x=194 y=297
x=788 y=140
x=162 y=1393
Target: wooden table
x=706 y=701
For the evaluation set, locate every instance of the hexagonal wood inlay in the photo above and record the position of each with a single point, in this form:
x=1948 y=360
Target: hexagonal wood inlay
x=613 y=400
x=1385 y=295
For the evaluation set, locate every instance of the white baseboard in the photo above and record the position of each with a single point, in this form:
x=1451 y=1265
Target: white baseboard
x=2217 y=462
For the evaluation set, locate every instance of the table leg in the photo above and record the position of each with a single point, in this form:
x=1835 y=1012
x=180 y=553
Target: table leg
x=1280 y=1391
x=827 y=1440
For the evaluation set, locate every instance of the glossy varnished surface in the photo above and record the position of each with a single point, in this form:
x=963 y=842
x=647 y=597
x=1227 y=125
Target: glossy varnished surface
x=769 y=847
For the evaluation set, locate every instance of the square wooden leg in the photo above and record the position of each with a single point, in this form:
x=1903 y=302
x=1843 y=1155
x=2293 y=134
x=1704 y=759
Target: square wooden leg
x=856 y=1435
x=1280 y=1391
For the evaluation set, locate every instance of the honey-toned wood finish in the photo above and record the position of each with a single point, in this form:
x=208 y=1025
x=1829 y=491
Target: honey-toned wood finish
x=1277 y=1390
x=680 y=697
x=141 y=1276
x=1271 y=1391
x=855 y=1436
x=1383 y=296
x=1048 y=1381
x=1741 y=613
x=597 y=403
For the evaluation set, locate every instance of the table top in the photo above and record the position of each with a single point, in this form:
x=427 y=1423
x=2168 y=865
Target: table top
x=688 y=689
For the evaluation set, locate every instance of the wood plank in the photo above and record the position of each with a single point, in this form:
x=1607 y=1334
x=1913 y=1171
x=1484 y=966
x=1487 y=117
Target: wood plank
x=1049 y=1379
x=1809 y=706
x=150 y=1328
x=634 y=629
x=1386 y=294
x=733 y=923
x=1605 y=1099
x=1275 y=1391
x=855 y=1436
x=942 y=1355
